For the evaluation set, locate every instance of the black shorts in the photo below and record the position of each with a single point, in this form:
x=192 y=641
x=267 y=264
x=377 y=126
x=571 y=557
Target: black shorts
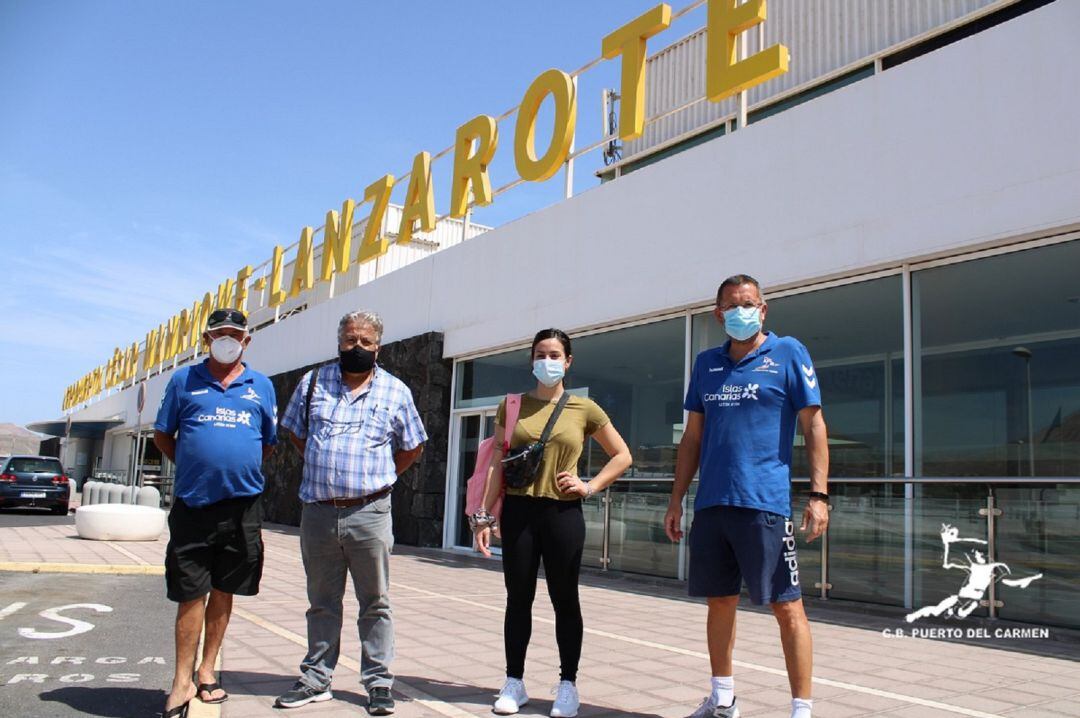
x=216 y=546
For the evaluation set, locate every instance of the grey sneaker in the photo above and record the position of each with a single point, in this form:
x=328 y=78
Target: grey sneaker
x=709 y=709
x=301 y=694
x=380 y=701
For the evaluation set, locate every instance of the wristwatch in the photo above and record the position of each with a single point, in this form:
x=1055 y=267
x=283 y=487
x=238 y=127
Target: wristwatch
x=819 y=495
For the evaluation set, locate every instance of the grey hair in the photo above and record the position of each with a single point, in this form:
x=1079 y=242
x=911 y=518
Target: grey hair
x=371 y=319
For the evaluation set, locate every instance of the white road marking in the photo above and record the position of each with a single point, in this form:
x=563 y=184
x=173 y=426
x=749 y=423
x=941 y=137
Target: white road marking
x=77 y=626
x=10 y=609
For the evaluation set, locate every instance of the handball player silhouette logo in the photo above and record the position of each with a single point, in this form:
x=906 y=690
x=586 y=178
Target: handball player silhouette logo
x=981 y=573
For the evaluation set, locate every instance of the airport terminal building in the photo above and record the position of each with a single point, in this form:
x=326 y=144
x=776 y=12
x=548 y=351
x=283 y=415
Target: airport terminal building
x=908 y=194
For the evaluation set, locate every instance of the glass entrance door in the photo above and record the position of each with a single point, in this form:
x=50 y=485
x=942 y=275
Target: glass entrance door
x=471 y=429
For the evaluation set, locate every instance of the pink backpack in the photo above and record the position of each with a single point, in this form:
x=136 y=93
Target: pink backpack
x=477 y=484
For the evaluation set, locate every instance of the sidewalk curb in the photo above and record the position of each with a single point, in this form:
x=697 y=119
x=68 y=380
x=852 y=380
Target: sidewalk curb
x=119 y=569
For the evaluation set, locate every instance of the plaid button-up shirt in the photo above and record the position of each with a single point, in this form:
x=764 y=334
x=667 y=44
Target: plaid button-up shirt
x=351 y=441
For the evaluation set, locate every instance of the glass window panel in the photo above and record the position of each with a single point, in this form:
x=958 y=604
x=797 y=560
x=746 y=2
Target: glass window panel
x=634 y=374
x=998 y=382
x=866 y=542
x=1036 y=533
x=485 y=381
x=468 y=443
x=637 y=542
x=855 y=336
x=936 y=588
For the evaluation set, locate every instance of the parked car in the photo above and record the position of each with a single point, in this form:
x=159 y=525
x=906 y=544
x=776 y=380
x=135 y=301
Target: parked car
x=34 y=481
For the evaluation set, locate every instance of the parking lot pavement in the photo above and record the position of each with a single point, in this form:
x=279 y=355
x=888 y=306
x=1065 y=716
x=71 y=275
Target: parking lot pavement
x=33 y=517
x=83 y=644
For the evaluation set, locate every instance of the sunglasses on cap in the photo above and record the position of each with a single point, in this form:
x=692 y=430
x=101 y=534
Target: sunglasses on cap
x=222 y=318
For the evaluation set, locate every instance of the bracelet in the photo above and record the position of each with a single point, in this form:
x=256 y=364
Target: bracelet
x=820 y=495
x=482 y=519
x=588 y=489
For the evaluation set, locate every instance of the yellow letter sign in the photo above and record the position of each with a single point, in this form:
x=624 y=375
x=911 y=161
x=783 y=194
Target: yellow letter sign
x=561 y=88
x=337 y=239
x=303 y=275
x=471 y=170
x=629 y=41
x=419 y=200
x=725 y=74
x=374 y=243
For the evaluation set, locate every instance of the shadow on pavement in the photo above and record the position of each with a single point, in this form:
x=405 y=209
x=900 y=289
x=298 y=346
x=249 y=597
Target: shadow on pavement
x=450 y=692
x=108 y=702
x=271 y=685
x=252 y=683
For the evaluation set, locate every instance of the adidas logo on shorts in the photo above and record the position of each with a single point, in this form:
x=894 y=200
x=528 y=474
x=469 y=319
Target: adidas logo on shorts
x=789 y=551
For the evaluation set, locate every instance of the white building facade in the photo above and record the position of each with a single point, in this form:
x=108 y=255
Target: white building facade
x=915 y=222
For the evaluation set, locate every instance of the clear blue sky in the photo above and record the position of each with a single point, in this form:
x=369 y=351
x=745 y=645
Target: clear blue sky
x=150 y=149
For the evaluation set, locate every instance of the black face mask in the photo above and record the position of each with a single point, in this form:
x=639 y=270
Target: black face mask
x=356 y=360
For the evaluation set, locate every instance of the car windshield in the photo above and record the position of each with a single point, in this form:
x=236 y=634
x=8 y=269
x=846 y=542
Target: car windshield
x=39 y=466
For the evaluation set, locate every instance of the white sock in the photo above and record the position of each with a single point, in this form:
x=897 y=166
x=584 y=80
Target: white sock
x=800 y=707
x=723 y=690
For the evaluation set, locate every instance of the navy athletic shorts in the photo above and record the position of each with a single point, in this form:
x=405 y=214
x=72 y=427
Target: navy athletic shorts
x=731 y=544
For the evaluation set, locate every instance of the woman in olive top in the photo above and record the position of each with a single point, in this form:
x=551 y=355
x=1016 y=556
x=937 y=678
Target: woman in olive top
x=543 y=521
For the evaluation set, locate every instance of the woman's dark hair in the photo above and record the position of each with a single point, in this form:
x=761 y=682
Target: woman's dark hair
x=551 y=334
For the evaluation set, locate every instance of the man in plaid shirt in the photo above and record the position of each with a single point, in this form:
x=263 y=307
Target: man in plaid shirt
x=358 y=432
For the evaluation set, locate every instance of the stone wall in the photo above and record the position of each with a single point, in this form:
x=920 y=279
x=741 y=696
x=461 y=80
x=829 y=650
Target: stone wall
x=419 y=494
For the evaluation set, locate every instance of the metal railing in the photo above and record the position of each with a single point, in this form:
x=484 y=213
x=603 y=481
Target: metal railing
x=989 y=514
x=885 y=540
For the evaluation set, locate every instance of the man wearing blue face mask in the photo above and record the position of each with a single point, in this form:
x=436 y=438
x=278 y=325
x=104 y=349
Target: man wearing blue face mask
x=742 y=405
x=217 y=421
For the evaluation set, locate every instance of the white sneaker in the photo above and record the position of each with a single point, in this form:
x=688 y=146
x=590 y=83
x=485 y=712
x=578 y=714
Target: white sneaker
x=709 y=709
x=566 y=701
x=511 y=698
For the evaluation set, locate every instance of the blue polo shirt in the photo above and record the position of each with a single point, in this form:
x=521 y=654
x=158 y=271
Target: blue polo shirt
x=219 y=433
x=750 y=409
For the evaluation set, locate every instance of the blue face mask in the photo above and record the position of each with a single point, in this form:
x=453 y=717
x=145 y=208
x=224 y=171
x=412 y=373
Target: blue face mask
x=741 y=323
x=549 y=372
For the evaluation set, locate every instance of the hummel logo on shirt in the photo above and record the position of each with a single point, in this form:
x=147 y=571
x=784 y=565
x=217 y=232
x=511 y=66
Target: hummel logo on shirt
x=251 y=394
x=808 y=375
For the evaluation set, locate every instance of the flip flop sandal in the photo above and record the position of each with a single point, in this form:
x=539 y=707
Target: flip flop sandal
x=210 y=688
x=179 y=711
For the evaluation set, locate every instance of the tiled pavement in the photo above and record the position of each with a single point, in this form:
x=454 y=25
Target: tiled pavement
x=643 y=653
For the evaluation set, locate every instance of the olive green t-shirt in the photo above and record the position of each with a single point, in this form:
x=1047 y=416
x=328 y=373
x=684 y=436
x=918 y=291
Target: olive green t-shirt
x=580 y=418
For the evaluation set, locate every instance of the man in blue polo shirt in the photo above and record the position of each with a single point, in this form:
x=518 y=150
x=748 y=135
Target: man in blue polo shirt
x=743 y=402
x=217 y=422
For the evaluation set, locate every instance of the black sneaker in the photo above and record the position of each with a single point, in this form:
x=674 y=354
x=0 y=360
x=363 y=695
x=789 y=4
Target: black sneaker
x=380 y=702
x=301 y=694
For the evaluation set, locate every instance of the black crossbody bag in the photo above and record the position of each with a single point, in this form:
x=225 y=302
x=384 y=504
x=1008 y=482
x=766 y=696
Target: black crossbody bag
x=521 y=467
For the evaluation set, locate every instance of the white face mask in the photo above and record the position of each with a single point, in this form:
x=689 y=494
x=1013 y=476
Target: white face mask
x=226 y=350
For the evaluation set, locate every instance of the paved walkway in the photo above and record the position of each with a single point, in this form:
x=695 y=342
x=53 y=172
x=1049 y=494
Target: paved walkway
x=643 y=655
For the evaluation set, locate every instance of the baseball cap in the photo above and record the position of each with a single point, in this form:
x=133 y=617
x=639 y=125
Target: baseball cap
x=226 y=318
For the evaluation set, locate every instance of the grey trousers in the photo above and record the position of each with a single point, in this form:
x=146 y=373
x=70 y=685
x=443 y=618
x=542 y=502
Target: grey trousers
x=358 y=540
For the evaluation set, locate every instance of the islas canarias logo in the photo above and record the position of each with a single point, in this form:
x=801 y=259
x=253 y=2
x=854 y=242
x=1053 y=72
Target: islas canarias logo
x=981 y=573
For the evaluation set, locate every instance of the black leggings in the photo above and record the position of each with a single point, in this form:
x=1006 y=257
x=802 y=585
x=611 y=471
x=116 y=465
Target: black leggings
x=552 y=530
